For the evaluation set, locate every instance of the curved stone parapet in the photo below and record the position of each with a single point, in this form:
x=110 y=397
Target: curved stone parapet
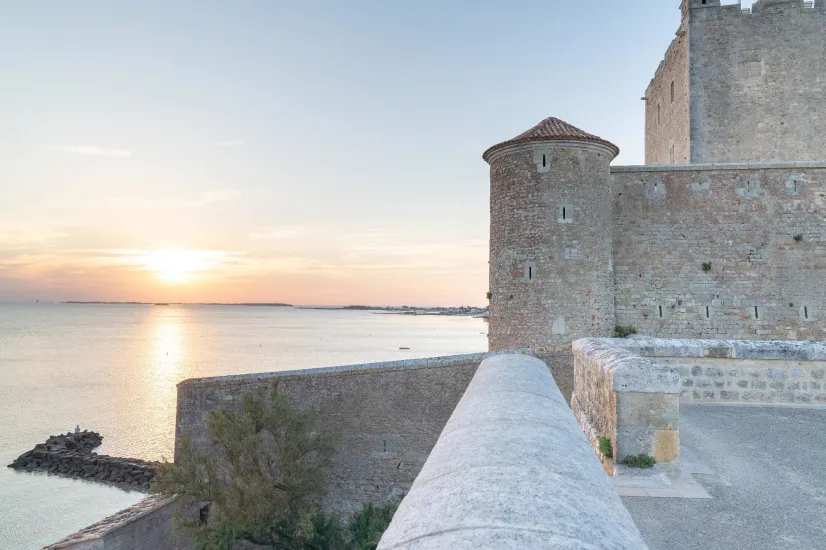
x=512 y=469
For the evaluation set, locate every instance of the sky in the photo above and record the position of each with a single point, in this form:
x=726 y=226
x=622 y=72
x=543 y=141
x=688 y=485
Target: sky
x=314 y=152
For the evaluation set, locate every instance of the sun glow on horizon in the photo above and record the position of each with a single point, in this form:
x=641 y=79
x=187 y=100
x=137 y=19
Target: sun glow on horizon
x=178 y=266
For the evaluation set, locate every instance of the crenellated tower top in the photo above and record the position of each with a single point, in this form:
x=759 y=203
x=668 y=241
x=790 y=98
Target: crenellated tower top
x=740 y=83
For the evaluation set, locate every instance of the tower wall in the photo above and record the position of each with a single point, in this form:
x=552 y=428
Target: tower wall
x=667 y=131
x=758 y=82
x=551 y=277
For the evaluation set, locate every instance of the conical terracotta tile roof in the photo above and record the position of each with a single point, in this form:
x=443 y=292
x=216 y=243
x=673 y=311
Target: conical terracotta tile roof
x=553 y=129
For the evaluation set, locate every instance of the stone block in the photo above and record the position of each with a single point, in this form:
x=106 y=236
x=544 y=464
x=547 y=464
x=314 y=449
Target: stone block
x=666 y=445
x=647 y=410
x=776 y=374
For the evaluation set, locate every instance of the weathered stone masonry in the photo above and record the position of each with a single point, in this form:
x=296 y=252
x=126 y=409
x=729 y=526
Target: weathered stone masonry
x=756 y=87
x=551 y=274
x=386 y=416
x=667 y=129
x=733 y=249
x=742 y=220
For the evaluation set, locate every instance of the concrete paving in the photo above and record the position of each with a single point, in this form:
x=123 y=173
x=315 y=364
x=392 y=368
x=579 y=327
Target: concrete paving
x=765 y=470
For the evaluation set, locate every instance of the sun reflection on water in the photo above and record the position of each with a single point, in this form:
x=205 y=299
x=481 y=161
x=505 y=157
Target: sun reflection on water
x=167 y=367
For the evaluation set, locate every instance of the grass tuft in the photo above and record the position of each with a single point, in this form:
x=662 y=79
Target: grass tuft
x=605 y=447
x=639 y=461
x=624 y=331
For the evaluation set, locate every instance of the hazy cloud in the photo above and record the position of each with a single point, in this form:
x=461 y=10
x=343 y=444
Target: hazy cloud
x=211 y=197
x=13 y=235
x=91 y=150
x=279 y=233
x=233 y=143
x=205 y=199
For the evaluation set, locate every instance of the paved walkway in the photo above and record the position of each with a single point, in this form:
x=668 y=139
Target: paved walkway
x=765 y=470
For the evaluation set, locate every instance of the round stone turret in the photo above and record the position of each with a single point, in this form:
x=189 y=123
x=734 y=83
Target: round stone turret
x=551 y=255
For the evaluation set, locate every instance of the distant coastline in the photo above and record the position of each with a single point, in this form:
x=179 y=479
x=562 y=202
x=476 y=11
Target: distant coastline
x=469 y=311
x=275 y=304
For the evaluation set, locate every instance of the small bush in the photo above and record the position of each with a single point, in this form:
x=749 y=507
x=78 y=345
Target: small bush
x=798 y=237
x=639 y=461
x=368 y=525
x=605 y=447
x=624 y=331
x=489 y=295
x=706 y=266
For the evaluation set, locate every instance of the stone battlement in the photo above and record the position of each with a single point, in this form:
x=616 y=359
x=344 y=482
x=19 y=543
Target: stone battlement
x=714 y=8
x=740 y=84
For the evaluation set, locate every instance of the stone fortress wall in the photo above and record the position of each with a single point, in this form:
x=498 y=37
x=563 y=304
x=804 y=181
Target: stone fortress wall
x=742 y=219
x=386 y=416
x=756 y=87
x=667 y=130
x=732 y=248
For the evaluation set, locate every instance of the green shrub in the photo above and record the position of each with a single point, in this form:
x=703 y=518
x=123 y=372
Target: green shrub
x=624 y=332
x=326 y=533
x=706 y=266
x=605 y=447
x=798 y=237
x=489 y=295
x=367 y=526
x=639 y=461
x=264 y=485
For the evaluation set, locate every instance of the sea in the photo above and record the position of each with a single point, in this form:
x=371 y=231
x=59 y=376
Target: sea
x=113 y=369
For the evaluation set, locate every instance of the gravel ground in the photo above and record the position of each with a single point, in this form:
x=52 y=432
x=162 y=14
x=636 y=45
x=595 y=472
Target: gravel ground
x=768 y=486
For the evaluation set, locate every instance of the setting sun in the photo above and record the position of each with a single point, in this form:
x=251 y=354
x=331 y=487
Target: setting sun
x=176 y=266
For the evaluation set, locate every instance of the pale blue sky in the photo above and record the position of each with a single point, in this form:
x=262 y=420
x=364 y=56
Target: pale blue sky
x=312 y=151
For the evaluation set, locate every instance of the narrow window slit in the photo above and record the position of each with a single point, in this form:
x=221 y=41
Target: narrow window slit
x=707 y=313
x=756 y=313
x=661 y=311
x=544 y=161
x=805 y=312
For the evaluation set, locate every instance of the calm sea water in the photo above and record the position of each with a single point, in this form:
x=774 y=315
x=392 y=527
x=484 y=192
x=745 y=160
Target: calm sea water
x=113 y=369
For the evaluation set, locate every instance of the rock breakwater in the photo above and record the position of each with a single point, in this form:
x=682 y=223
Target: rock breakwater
x=72 y=455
